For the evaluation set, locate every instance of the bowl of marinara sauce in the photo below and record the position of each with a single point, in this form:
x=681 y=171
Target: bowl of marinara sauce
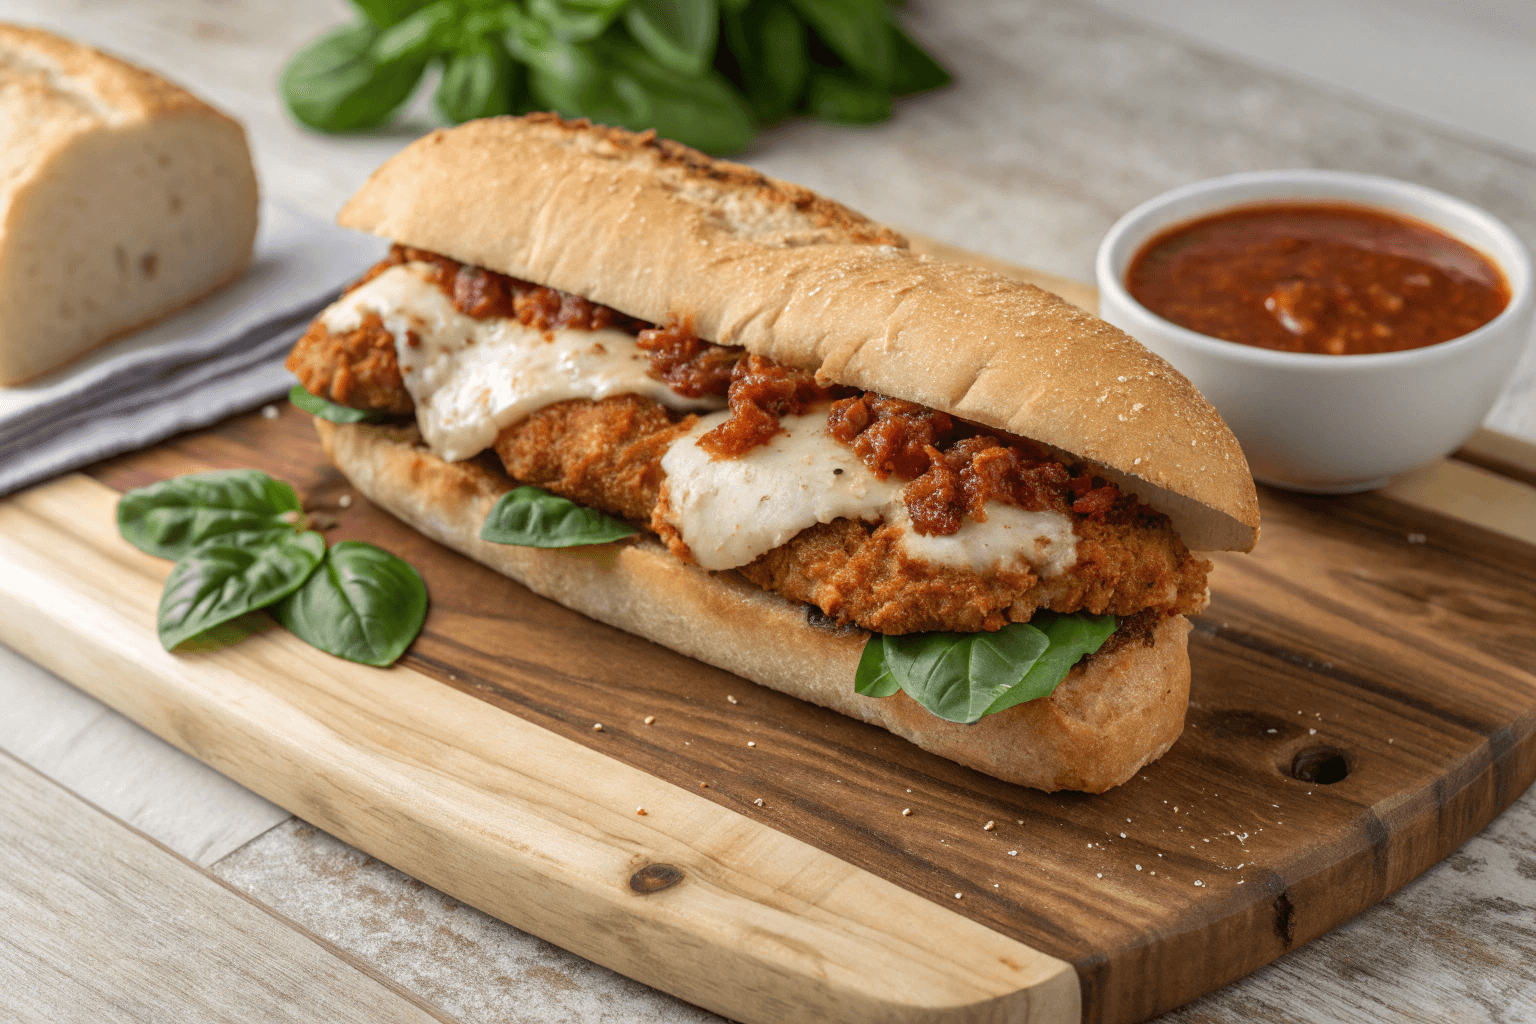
x=1348 y=327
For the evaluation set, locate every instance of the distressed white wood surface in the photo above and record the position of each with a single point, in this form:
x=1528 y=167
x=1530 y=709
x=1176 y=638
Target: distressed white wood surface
x=1065 y=117
x=98 y=923
x=87 y=747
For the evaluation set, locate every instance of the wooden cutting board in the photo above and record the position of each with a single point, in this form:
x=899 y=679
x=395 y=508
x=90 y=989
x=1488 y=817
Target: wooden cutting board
x=1363 y=700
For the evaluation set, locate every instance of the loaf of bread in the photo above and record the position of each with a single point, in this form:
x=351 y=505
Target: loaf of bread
x=123 y=198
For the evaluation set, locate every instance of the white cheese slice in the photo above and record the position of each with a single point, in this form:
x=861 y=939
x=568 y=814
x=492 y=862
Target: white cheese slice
x=470 y=377
x=730 y=511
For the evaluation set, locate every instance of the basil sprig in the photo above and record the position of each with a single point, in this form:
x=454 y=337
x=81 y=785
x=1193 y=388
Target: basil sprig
x=705 y=72
x=961 y=677
x=241 y=545
x=326 y=409
x=532 y=518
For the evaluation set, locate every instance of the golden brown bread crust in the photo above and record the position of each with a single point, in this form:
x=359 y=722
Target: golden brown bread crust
x=1113 y=713
x=670 y=236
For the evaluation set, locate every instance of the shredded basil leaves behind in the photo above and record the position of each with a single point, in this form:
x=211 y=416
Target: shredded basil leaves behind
x=362 y=604
x=531 y=518
x=960 y=677
x=233 y=506
x=327 y=410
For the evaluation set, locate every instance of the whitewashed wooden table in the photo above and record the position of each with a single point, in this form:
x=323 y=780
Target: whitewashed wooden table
x=135 y=884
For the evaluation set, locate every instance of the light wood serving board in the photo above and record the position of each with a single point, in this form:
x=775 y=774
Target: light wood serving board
x=1382 y=644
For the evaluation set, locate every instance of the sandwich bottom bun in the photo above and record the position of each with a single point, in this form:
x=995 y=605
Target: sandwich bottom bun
x=1112 y=714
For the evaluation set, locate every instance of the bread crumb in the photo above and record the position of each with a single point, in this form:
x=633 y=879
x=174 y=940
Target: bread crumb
x=1013 y=853
x=733 y=700
x=758 y=801
x=650 y=719
x=1122 y=835
x=269 y=412
x=1099 y=874
x=957 y=895
x=1138 y=867
x=640 y=810
x=345 y=501
x=751 y=743
x=597 y=726
x=1200 y=883
x=905 y=811
x=989 y=826
x=703 y=785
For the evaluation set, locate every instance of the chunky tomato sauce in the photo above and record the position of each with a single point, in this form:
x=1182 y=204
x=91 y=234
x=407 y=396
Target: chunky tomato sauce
x=1323 y=278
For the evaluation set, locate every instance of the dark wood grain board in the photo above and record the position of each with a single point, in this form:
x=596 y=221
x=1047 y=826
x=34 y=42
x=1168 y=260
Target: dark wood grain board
x=1396 y=673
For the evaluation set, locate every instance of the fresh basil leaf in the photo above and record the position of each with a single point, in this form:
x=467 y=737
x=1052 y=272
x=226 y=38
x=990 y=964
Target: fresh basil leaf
x=573 y=25
x=385 y=13
x=326 y=409
x=336 y=85
x=532 y=518
x=916 y=71
x=838 y=97
x=562 y=76
x=609 y=7
x=734 y=6
x=768 y=42
x=416 y=39
x=962 y=676
x=1070 y=637
x=874 y=677
x=232 y=506
x=678 y=33
x=957 y=676
x=857 y=31
x=477 y=82
x=217 y=582
x=362 y=604
x=706 y=113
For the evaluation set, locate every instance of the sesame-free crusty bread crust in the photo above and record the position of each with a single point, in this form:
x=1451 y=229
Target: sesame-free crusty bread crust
x=666 y=234
x=123 y=198
x=1109 y=716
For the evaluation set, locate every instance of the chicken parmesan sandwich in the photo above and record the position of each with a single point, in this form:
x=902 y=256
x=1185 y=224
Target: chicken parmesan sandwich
x=724 y=413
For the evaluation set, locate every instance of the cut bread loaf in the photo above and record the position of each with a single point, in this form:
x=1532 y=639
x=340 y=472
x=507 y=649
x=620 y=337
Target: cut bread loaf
x=1112 y=714
x=122 y=199
x=665 y=234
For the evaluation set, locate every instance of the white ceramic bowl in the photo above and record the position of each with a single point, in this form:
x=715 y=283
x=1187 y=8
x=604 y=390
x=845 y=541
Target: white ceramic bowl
x=1320 y=423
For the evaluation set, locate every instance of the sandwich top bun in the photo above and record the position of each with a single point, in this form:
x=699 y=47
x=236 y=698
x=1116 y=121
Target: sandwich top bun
x=663 y=233
x=122 y=199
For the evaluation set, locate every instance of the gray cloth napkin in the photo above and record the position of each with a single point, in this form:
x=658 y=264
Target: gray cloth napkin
x=221 y=356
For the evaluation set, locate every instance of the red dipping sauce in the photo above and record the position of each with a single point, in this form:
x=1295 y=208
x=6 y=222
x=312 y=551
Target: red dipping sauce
x=1327 y=278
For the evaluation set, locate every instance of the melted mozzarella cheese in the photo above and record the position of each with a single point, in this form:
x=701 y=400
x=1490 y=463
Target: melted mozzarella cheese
x=730 y=511
x=471 y=377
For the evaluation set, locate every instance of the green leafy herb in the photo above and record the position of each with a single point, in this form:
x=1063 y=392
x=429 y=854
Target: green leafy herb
x=857 y=31
x=767 y=41
x=362 y=604
x=529 y=517
x=234 y=506
x=476 y=83
x=840 y=97
x=336 y=84
x=326 y=410
x=962 y=676
x=678 y=33
x=240 y=547
x=705 y=72
x=219 y=581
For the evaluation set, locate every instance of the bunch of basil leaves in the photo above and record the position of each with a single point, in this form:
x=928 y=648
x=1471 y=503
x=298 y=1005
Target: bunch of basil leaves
x=708 y=73
x=241 y=544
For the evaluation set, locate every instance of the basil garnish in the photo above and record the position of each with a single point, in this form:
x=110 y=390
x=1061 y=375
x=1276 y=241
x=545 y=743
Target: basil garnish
x=362 y=604
x=708 y=73
x=531 y=518
x=235 y=506
x=961 y=677
x=218 y=582
x=327 y=410
x=240 y=546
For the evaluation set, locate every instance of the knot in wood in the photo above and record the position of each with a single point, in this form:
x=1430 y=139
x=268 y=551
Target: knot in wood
x=654 y=878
